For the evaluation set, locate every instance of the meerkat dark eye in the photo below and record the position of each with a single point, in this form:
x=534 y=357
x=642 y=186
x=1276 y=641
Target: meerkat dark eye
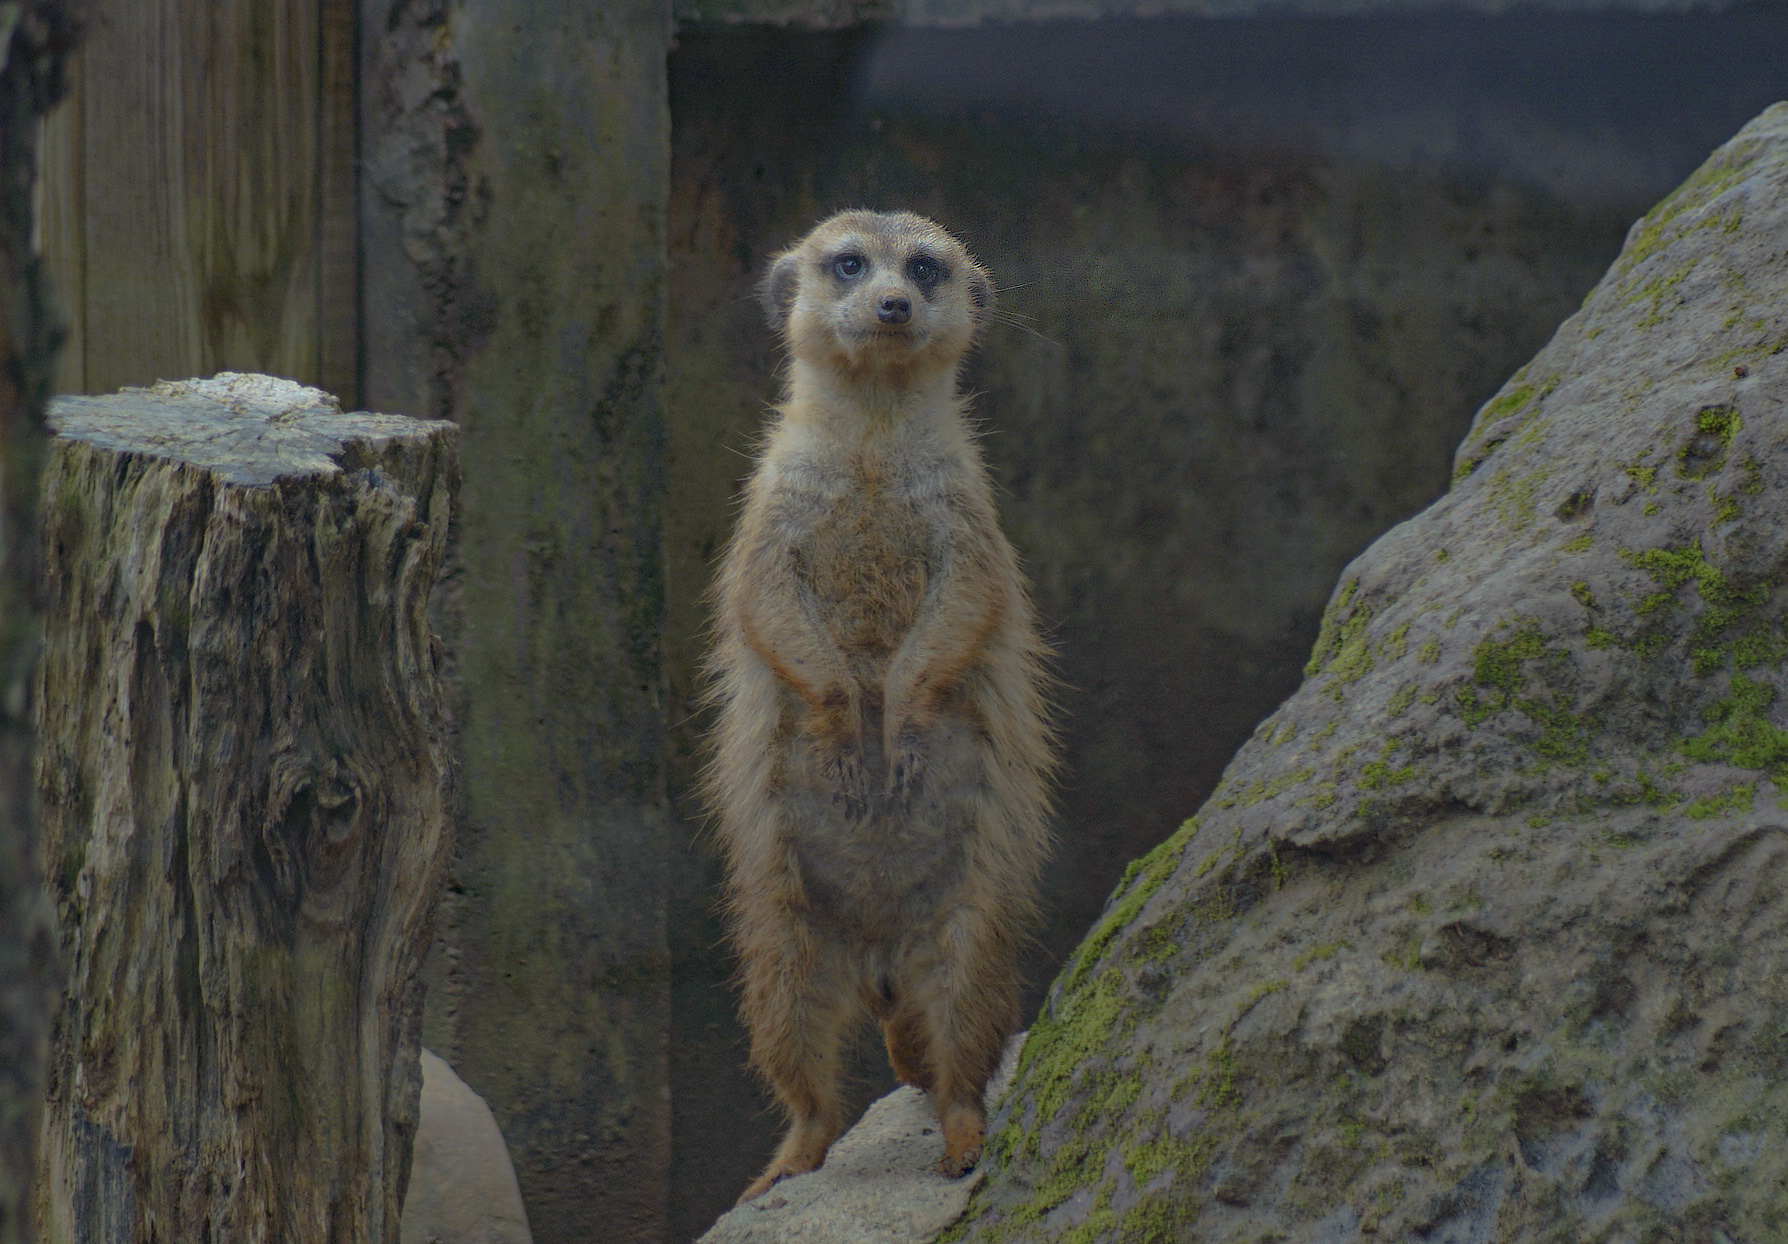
x=848 y=267
x=925 y=271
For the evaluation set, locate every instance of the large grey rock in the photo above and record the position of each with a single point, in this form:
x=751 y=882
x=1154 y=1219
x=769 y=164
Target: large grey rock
x=1483 y=934
x=880 y=1183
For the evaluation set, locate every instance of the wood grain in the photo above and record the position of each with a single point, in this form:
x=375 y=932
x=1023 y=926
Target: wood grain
x=199 y=194
x=246 y=807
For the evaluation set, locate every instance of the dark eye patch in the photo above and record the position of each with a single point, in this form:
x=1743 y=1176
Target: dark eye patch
x=849 y=266
x=926 y=271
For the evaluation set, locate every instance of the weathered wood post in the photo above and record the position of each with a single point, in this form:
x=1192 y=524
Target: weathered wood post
x=245 y=777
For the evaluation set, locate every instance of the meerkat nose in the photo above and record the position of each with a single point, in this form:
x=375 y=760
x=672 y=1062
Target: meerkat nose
x=895 y=309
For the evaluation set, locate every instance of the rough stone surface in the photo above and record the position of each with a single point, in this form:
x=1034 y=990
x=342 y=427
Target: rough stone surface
x=1482 y=935
x=462 y=1184
x=879 y=1185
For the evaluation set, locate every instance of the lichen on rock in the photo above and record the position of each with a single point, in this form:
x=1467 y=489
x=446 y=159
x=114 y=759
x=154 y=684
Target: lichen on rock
x=1484 y=934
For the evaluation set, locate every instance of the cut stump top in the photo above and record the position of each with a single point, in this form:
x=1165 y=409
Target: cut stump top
x=247 y=429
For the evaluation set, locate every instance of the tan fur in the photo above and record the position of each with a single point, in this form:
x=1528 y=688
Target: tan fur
x=882 y=756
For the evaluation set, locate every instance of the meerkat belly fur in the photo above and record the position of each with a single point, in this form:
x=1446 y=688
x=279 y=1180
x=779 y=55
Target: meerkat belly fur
x=882 y=757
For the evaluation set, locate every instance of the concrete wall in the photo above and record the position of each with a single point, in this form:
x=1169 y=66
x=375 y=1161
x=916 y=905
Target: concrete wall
x=948 y=14
x=1260 y=274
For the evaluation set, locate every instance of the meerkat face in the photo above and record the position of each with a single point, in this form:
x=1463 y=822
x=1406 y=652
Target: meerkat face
x=877 y=291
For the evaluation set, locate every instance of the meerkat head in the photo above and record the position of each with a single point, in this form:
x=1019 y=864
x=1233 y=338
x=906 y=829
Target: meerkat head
x=877 y=292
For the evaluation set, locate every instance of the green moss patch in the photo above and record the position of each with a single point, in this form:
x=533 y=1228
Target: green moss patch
x=1344 y=649
x=1705 y=451
x=1707 y=183
x=1334 y=632
x=1376 y=774
x=1500 y=678
x=1725 y=625
x=1513 y=494
x=1738 y=799
x=1508 y=403
x=1740 y=732
x=1134 y=889
x=1262 y=789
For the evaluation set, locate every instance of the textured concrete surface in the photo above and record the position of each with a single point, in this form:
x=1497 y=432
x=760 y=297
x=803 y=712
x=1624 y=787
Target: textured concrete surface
x=879 y=1185
x=833 y=14
x=1482 y=935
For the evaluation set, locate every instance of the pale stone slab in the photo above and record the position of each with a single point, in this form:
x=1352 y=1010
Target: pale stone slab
x=880 y=1183
x=462 y=1183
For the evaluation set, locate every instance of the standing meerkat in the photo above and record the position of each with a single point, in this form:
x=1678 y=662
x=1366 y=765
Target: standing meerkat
x=882 y=755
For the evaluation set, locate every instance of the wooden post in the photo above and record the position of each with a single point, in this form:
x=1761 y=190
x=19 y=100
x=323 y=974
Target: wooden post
x=515 y=256
x=245 y=775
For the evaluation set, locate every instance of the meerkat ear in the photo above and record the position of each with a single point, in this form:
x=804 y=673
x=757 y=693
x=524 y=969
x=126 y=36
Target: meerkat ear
x=980 y=292
x=776 y=292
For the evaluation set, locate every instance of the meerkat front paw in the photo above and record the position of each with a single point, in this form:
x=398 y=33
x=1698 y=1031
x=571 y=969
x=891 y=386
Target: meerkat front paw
x=906 y=764
x=850 y=784
x=835 y=732
x=903 y=733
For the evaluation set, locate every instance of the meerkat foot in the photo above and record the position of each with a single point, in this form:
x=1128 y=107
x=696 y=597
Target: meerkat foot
x=763 y=1183
x=756 y=1188
x=775 y=1173
x=802 y=1150
x=956 y=1165
x=964 y=1133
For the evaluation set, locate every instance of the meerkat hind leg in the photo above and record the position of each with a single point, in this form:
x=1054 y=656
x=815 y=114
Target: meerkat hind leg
x=797 y=1010
x=904 y=1034
x=971 y=1008
x=816 y=1117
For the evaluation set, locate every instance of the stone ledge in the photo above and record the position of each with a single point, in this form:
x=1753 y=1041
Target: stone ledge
x=880 y=1183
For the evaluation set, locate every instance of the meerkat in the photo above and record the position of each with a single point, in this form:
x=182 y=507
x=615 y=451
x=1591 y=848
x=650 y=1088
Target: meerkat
x=882 y=755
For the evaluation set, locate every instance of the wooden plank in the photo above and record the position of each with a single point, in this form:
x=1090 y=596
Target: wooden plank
x=338 y=235
x=138 y=299
x=200 y=201
x=60 y=239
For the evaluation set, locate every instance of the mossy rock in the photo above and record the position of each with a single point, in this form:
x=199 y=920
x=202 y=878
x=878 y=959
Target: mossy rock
x=1484 y=934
